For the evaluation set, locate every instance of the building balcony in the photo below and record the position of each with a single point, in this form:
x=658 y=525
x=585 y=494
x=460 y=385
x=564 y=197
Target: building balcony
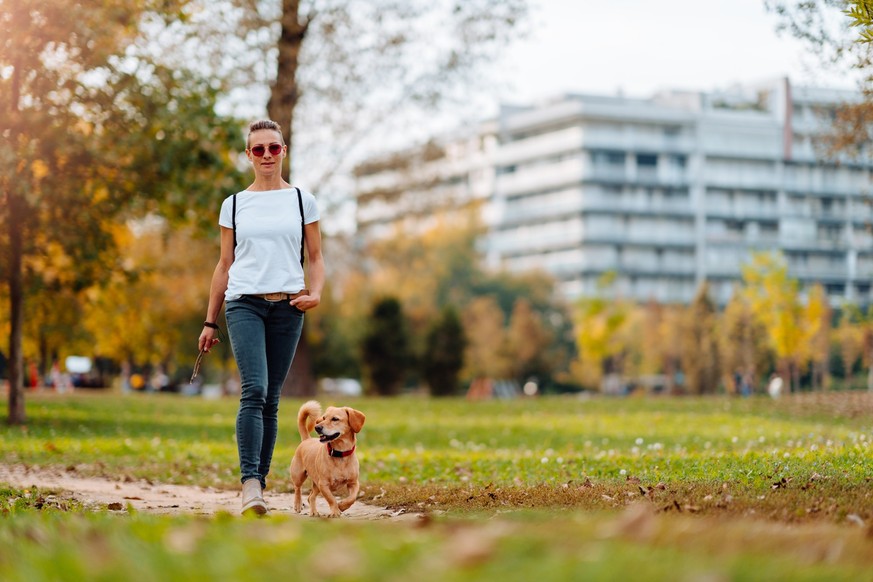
x=543 y=146
x=742 y=211
x=541 y=177
x=671 y=237
x=818 y=273
x=636 y=204
x=616 y=139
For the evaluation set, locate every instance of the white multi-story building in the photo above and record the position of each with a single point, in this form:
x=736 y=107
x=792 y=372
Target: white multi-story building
x=664 y=192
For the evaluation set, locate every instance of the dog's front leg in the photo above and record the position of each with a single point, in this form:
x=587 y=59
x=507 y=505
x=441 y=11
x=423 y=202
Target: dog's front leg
x=331 y=501
x=351 y=497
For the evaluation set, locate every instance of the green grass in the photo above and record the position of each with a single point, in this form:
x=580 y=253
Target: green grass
x=610 y=488
x=521 y=442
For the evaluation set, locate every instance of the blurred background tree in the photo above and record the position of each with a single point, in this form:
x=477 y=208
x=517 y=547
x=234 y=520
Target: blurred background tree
x=443 y=356
x=839 y=33
x=744 y=343
x=90 y=131
x=700 y=356
x=484 y=327
x=775 y=300
x=385 y=349
x=599 y=321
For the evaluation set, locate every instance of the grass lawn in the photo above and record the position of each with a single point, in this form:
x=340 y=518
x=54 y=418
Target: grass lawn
x=601 y=489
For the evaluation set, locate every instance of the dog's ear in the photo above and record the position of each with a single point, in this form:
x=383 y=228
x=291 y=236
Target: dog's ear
x=356 y=419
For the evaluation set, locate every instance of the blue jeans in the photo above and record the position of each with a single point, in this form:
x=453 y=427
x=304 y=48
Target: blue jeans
x=264 y=337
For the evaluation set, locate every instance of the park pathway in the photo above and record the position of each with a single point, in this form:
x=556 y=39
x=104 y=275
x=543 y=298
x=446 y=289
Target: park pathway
x=117 y=494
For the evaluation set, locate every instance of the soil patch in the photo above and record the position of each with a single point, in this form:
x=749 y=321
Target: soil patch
x=101 y=493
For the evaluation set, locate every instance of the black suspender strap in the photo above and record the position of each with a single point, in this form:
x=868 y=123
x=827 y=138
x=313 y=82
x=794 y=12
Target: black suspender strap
x=302 y=224
x=233 y=219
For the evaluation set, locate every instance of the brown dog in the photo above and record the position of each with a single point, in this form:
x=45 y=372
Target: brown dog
x=329 y=460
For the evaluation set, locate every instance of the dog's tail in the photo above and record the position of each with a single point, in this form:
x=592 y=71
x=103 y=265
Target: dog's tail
x=306 y=418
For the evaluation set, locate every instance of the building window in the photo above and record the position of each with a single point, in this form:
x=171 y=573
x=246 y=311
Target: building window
x=647 y=160
x=769 y=228
x=608 y=158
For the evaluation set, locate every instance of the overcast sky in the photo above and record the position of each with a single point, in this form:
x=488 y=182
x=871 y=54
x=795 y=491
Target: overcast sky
x=641 y=46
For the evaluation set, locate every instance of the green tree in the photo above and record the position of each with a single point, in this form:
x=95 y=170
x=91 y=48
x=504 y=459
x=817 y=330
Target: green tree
x=775 y=300
x=527 y=342
x=332 y=337
x=744 y=346
x=868 y=347
x=88 y=130
x=443 y=357
x=849 y=336
x=147 y=309
x=599 y=321
x=816 y=336
x=441 y=267
x=700 y=354
x=385 y=349
x=485 y=329
x=657 y=340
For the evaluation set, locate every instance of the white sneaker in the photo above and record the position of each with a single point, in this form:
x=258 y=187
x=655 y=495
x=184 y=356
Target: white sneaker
x=253 y=498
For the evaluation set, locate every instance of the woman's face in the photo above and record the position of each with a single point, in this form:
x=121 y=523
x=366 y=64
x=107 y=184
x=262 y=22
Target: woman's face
x=263 y=160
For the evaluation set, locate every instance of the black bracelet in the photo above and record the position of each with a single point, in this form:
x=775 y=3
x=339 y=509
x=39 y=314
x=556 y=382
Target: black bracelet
x=210 y=324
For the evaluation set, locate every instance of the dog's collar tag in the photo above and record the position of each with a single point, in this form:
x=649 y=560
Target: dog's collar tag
x=339 y=454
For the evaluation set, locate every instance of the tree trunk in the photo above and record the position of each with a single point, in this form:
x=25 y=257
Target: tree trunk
x=16 y=312
x=300 y=382
x=14 y=220
x=284 y=96
x=870 y=377
x=795 y=377
x=284 y=93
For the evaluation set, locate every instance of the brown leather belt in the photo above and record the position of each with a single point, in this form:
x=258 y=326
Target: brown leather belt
x=280 y=296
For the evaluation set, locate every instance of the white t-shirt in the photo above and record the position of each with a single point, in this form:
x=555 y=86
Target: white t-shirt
x=268 y=236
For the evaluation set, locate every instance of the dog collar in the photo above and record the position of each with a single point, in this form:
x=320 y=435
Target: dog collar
x=339 y=454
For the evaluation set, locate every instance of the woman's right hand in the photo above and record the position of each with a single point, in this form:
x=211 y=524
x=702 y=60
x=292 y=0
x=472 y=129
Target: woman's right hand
x=207 y=339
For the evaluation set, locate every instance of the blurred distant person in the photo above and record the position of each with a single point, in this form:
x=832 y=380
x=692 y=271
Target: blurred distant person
x=774 y=388
x=33 y=379
x=260 y=276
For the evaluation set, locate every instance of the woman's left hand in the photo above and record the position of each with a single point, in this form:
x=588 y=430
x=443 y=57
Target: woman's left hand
x=306 y=302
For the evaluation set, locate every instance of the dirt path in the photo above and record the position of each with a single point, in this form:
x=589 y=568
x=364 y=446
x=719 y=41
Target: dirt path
x=160 y=498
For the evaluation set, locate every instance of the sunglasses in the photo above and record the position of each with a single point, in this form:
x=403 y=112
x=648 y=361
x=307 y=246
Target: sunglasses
x=259 y=150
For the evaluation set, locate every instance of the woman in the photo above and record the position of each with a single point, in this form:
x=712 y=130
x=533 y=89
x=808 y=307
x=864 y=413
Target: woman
x=260 y=276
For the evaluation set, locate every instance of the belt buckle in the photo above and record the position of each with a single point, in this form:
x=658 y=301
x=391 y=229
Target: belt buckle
x=274 y=296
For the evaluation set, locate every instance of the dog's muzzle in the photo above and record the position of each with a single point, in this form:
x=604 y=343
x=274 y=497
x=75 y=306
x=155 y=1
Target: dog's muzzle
x=324 y=438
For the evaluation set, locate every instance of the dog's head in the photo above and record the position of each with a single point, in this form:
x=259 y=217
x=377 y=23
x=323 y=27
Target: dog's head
x=339 y=422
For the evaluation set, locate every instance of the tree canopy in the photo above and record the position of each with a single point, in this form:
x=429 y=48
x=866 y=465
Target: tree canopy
x=90 y=131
